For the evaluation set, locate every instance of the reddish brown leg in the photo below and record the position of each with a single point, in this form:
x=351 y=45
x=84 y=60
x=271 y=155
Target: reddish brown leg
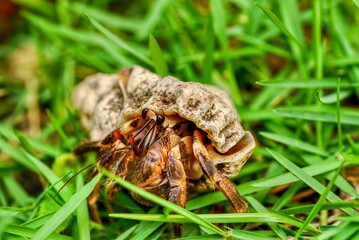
x=177 y=180
x=92 y=199
x=92 y=202
x=221 y=182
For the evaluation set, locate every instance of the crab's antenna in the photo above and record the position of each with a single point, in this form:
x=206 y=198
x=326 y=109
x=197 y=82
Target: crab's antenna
x=146 y=135
x=144 y=141
x=88 y=166
x=143 y=127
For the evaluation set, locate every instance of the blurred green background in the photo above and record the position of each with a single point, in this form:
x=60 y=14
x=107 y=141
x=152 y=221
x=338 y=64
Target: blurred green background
x=291 y=68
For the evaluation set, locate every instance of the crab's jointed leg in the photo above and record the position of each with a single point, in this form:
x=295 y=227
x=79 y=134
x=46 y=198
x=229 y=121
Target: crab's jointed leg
x=109 y=151
x=177 y=180
x=221 y=182
x=176 y=177
x=92 y=202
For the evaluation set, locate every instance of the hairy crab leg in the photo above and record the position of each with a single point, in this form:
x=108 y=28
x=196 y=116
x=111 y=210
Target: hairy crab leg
x=221 y=182
x=119 y=169
x=110 y=149
x=153 y=162
x=177 y=180
x=92 y=199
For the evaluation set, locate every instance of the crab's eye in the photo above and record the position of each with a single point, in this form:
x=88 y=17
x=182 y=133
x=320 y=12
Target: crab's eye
x=160 y=119
x=144 y=113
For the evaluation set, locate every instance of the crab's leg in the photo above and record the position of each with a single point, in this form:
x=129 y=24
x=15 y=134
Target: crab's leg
x=176 y=177
x=92 y=199
x=177 y=181
x=120 y=169
x=221 y=182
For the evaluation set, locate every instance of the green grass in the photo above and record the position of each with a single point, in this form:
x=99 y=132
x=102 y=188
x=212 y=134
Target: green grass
x=291 y=68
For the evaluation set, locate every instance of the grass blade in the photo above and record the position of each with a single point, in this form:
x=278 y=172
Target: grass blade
x=327 y=206
x=279 y=24
x=249 y=235
x=119 y=42
x=303 y=84
x=30 y=232
x=220 y=29
x=127 y=233
x=107 y=18
x=321 y=113
x=157 y=57
x=83 y=219
x=16 y=154
x=155 y=14
x=173 y=207
x=146 y=229
x=292 y=142
x=57 y=125
x=48 y=174
x=306 y=178
x=67 y=209
x=209 y=52
x=258 y=185
x=333 y=97
x=39 y=221
x=270 y=217
x=260 y=208
x=319 y=203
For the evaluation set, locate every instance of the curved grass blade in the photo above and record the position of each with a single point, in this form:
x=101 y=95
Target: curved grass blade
x=279 y=24
x=321 y=113
x=261 y=184
x=48 y=174
x=57 y=125
x=260 y=208
x=45 y=8
x=67 y=209
x=249 y=235
x=310 y=181
x=39 y=221
x=203 y=237
x=106 y=17
x=328 y=206
x=313 y=213
x=81 y=38
x=27 y=232
x=16 y=154
x=309 y=83
x=127 y=233
x=155 y=14
x=157 y=57
x=295 y=143
x=189 y=216
x=269 y=217
x=350 y=218
x=333 y=97
x=119 y=42
x=147 y=228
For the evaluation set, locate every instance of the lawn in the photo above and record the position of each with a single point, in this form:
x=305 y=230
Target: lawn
x=290 y=67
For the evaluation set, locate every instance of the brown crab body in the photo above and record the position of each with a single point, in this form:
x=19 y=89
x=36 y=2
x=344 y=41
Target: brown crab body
x=166 y=136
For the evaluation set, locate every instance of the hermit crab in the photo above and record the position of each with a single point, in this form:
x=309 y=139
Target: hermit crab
x=166 y=136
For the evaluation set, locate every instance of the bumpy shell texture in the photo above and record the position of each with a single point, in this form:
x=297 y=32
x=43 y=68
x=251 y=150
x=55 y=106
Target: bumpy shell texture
x=104 y=106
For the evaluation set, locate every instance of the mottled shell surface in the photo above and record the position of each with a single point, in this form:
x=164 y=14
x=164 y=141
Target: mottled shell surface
x=100 y=102
x=104 y=106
